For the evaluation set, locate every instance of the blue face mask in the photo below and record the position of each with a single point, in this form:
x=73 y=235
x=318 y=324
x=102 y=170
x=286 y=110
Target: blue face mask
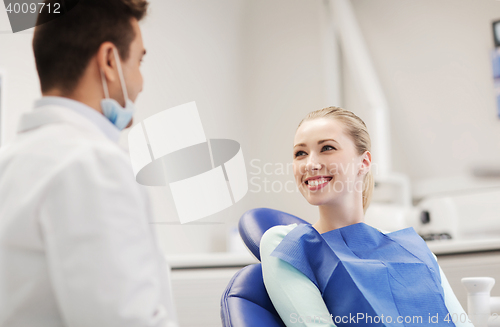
x=111 y=109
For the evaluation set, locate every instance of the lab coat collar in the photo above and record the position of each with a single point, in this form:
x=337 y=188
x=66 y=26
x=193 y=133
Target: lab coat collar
x=50 y=110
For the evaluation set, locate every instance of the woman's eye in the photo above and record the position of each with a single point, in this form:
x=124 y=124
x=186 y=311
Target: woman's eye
x=328 y=147
x=299 y=153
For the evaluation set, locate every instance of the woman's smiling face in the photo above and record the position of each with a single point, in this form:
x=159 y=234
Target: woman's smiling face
x=325 y=161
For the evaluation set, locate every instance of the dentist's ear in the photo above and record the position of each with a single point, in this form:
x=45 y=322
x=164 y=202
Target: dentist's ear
x=106 y=61
x=366 y=163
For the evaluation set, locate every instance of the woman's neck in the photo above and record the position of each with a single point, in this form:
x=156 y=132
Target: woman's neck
x=344 y=213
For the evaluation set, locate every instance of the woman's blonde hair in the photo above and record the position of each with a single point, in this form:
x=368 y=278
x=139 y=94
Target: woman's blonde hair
x=356 y=129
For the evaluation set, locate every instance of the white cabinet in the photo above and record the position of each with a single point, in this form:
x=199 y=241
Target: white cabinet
x=197 y=294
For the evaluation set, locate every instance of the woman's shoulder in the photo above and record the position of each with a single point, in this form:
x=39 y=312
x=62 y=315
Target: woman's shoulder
x=274 y=235
x=280 y=231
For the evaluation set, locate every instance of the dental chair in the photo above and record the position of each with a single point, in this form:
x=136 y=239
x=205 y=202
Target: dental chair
x=245 y=302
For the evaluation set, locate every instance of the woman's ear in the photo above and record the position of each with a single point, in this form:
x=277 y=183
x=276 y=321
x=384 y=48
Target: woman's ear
x=106 y=61
x=366 y=163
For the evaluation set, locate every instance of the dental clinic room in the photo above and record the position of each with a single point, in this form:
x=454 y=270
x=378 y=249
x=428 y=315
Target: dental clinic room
x=249 y=163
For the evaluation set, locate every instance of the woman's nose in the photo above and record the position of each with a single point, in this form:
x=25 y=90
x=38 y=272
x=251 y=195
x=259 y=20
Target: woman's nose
x=313 y=164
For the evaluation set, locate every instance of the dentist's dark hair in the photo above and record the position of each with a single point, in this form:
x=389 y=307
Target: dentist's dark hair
x=66 y=39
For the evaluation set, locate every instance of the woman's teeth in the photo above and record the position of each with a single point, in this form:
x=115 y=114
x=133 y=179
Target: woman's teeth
x=316 y=182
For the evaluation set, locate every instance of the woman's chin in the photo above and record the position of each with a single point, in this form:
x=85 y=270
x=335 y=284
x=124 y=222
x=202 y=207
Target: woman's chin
x=318 y=197
x=321 y=198
x=316 y=200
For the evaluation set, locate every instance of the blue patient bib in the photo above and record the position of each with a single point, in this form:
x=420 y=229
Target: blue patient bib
x=368 y=278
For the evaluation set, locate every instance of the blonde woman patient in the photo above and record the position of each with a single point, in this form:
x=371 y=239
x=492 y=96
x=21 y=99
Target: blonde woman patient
x=340 y=271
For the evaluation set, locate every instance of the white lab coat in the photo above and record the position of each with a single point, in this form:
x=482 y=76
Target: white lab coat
x=76 y=245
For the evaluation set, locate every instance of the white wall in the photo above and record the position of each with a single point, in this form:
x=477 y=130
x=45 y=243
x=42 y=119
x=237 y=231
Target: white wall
x=433 y=60
x=255 y=69
x=193 y=54
x=284 y=79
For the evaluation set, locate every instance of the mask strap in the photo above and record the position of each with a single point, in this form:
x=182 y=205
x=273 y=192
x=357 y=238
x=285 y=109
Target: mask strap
x=104 y=85
x=120 y=73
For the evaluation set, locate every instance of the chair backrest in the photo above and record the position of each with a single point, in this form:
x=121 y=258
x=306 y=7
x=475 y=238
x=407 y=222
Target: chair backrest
x=245 y=301
x=254 y=223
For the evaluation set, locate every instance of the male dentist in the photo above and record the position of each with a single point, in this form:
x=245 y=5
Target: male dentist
x=76 y=245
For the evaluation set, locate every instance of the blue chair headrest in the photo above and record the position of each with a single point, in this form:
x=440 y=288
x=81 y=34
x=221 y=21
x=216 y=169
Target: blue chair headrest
x=254 y=223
